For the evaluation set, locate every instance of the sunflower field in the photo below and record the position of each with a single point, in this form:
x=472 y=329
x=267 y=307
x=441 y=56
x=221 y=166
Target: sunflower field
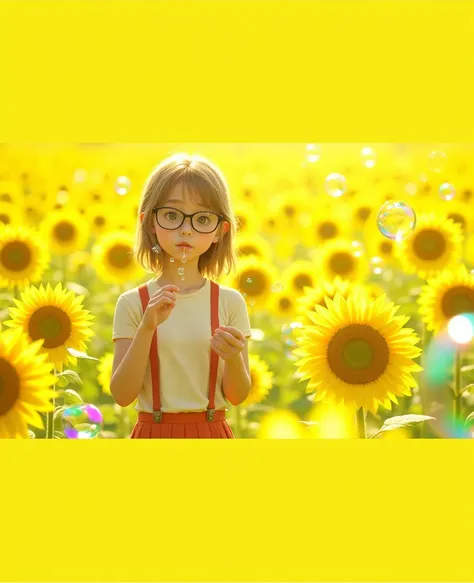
x=357 y=331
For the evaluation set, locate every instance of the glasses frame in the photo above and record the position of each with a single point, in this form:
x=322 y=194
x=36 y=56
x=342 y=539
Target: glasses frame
x=220 y=218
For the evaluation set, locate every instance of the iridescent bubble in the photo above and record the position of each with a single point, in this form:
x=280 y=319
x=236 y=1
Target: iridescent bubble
x=437 y=161
x=447 y=191
x=336 y=185
x=289 y=332
x=181 y=270
x=249 y=280
x=171 y=259
x=277 y=287
x=368 y=156
x=461 y=328
x=122 y=185
x=82 y=421
x=395 y=220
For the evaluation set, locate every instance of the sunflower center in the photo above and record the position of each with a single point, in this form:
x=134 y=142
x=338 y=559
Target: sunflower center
x=363 y=213
x=252 y=282
x=5 y=219
x=249 y=250
x=64 y=231
x=9 y=386
x=458 y=218
x=327 y=230
x=119 y=256
x=50 y=323
x=5 y=197
x=284 y=303
x=302 y=280
x=386 y=247
x=429 y=244
x=341 y=262
x=289 y=210
x=16 y=256
x=358 y=354
x=99 y=221
x=458 y=300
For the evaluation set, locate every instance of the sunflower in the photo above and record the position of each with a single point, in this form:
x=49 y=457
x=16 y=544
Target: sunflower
x=10 y=192
x=282 y=302
x=337 y=258
x=104 y=369
x=65 y=231
x=433 y=245
x=112 y=257
x=78 y=262
x=330 y=222
x=253 y=244
x=246 y=218
x=10 y=214
x=357 y=352
x=262 y=380
x=23 y=256
x=57 y=317
x=448 y=294
x=25 y=381
x=98 y=217
x=460 y=213
x=253 y=278
x=299 y=275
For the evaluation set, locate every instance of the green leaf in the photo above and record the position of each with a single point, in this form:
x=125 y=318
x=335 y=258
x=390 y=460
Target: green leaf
x=78 y=354
x=400 y=421
x=467 y=388
x=70 y=376
x=71 y=397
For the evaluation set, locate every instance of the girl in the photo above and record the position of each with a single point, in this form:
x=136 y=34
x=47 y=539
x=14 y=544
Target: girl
x=181 y=339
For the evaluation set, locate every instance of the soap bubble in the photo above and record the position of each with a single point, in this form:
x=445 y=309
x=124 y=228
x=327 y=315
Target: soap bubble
x=181 y=270
x=437 y=161
x=336 y=185
x=447 y=191
x=277 y=287
x=82 y=421
x=122 y=185
x=171 y=259
x=289 y=332
x=395 y=220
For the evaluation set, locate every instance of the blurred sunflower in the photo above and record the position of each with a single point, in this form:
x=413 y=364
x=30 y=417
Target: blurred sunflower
x=337 y=258
x=262 y=380
x=330 y=222
x=56 y=316
x=253 y=278
x=433 y=245
x=33 y=210
x=10 y=214
x=364 y=205
x=98 y=217
x=253 y=244
x=104 y=369
x=11 y=192
x=78 y=262
x=65 y=231
x=298 y=275
x=448 y=294
x=357 y=352
x=282 y=302
x=25 y=381
x=246 y=217
x=112 y=257
x=23 y=256
x=460 y=213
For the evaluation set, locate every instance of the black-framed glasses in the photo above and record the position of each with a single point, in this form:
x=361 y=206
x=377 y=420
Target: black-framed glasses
x=171 y=219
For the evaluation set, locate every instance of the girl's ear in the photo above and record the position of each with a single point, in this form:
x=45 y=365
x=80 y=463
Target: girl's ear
x=225 y=226
x=141 y=217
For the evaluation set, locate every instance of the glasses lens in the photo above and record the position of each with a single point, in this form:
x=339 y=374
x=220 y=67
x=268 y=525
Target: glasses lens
x=205 y=222
x=169 y=218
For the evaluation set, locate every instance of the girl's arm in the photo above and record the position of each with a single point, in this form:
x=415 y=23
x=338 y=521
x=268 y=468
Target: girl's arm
x=237 y=381
x=130 y=361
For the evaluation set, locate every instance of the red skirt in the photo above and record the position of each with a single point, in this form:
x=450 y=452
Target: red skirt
x=192 y=425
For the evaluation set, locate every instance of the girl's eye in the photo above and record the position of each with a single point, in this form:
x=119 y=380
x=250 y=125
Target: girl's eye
x=203 y=217
x=171 y=213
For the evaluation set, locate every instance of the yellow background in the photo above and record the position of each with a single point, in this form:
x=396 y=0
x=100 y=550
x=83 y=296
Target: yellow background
x=258 y=71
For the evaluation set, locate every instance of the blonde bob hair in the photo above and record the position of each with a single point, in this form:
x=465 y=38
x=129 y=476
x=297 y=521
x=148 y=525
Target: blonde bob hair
x=203 y=183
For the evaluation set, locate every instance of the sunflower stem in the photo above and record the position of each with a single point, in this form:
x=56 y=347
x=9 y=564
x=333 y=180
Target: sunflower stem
x=361 y=427
x=50 y=414
x=64 y=266
x=457 y=398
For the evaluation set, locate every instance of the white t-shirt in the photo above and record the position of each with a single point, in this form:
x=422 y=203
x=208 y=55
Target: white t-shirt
x=183 y=345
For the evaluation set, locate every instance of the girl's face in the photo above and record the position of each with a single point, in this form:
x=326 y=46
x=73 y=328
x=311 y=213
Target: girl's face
x=169 y=240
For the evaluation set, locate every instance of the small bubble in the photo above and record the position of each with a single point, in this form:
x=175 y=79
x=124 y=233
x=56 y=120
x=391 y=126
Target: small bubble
x=277 y=287
x=182 y=279
x=249 y=280
x=171 y=259
x=447 y=191
x=181 y=270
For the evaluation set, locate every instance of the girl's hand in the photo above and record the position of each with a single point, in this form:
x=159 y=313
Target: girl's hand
x=227 y=342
